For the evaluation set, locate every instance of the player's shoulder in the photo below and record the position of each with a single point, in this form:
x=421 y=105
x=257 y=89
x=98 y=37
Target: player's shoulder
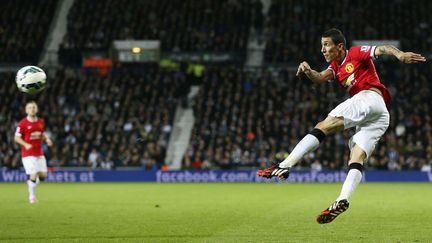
x=354 y=49
x=363 y=48
x=23 y=121
x=361 y=52
x=40 y=120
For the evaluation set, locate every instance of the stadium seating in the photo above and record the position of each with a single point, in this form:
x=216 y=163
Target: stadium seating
x=245 y=119
x=124 y=119
x=294 y=27
x=24 y=25
x=180 y=25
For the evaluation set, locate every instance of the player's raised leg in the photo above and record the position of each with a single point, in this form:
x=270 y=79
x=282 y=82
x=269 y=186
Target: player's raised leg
x=308 y=144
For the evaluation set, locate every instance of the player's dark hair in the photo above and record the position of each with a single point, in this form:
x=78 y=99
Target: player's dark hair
x=336 y=36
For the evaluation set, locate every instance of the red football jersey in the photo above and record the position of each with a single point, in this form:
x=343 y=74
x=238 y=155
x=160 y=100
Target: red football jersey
x=357 y=72
x=32 y=133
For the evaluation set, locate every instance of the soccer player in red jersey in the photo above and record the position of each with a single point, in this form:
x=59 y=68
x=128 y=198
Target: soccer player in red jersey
x=30 y=134
x=366 y=110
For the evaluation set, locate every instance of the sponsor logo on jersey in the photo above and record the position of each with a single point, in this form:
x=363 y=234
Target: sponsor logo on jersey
x=35 y=135
x=349 y=68
x=348 y=81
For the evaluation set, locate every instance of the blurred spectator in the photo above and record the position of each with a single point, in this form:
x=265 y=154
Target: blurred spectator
x=107 y=161
x=316 y=166
x=425 y=166
x=93 y=158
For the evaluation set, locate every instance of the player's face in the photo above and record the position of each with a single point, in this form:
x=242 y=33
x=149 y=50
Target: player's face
x=329 y=49
x=31 y=109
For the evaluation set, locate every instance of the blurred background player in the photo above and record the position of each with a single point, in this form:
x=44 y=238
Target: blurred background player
x=365 y=110
x=30 y=135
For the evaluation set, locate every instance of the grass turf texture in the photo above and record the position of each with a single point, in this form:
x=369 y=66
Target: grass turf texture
x=147 y=212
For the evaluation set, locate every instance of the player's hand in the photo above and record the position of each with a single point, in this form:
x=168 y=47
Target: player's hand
x=303 y=67
x=28 y=146
x=49 y=142
x=411 y=57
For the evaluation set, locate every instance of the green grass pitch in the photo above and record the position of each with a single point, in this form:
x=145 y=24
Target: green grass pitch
x=150 y=212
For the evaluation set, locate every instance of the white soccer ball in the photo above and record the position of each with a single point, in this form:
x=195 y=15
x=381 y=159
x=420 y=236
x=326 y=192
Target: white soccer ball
x=31 y=79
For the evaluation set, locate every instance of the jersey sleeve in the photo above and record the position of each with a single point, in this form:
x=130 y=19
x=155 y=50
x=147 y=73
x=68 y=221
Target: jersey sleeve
x=332 y=67
x=363 y=52
x=20 y=130
x=43 y=125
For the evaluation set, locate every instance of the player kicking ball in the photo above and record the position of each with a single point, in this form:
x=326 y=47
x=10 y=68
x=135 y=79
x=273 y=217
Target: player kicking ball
x=366 y=110
x=30 y=135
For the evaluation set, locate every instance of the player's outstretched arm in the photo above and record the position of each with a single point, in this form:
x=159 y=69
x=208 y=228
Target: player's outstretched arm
x=318 y=77
x=405 y=57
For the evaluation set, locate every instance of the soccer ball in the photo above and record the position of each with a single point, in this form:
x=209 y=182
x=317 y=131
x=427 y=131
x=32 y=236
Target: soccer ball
x=30 y=79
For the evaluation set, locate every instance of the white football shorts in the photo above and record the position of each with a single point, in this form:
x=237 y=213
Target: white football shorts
x=367 y=112
x=34 y=164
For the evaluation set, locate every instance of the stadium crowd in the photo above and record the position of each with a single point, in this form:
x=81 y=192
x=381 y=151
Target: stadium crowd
x=293 y=27
x=24 y=26
x=180 y=25
x=243 y=118
x=124 y=119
